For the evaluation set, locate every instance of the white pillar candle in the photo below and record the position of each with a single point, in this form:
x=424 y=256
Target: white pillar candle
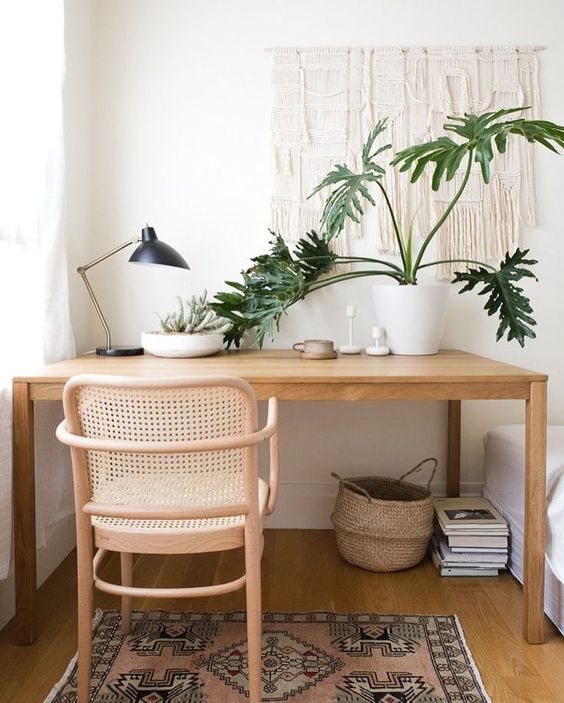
x=351 y=311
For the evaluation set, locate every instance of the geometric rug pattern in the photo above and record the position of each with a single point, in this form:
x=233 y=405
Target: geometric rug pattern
x=318 y=657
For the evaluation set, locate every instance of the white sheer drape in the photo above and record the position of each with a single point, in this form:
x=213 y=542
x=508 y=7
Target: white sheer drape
x=34 y=310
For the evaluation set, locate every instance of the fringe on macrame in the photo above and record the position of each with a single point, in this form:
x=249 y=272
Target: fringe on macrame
x=460 y=237
x=285 y=219
x=502 y=206
x=480 y=231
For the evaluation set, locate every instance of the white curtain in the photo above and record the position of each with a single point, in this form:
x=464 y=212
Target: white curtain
x=34 y=309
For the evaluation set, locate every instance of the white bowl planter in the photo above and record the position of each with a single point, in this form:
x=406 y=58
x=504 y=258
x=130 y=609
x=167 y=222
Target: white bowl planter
x=413 y=316
x=181 y=345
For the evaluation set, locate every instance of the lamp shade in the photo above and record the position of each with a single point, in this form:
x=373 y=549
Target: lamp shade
x=153 y=251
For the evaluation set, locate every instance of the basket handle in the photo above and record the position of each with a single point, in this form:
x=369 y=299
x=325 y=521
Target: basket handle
x=353 y=486
x=418 y=468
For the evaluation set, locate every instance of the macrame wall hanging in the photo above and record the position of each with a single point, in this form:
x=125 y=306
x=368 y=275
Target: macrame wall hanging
x=327 y=99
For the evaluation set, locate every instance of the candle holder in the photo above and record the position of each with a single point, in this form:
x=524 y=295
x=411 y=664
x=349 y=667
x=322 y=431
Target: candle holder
x=377 y=349
x=351 y=347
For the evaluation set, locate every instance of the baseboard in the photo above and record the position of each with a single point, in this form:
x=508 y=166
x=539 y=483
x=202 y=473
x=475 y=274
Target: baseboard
x=308 y=506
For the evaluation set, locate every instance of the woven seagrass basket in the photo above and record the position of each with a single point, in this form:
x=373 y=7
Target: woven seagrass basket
x=383 y=524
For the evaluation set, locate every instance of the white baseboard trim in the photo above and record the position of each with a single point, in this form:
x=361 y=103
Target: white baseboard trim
x=308 y=506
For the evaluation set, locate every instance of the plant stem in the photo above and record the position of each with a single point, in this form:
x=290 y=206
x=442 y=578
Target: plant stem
x=395 y=225
x=357 y=259
x=439 y=224
x=354 y=274
x=369 y=260
x=457 y=261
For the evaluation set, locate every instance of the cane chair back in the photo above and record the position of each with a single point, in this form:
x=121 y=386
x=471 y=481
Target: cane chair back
x=204 y=410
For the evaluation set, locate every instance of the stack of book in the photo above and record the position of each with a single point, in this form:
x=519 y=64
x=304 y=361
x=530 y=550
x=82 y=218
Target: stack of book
x=471 y=538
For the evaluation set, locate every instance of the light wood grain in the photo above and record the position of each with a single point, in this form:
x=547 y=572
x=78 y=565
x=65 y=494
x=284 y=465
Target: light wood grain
x=453 y=447
x=373 y=390
x=24 y=511
x=535 y=512
x=280 y=366
x=489 y=611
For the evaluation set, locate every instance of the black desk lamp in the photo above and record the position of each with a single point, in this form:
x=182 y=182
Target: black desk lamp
x=150 y=251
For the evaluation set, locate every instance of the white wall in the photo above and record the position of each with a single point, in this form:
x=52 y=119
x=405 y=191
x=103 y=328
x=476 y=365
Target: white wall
x=78 y=100
x=181 y=138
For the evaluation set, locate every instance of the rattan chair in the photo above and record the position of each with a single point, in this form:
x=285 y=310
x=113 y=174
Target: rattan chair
x=167 y=466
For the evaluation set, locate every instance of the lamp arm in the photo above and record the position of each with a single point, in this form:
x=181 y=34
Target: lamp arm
x=82 y=271
x=107 y=255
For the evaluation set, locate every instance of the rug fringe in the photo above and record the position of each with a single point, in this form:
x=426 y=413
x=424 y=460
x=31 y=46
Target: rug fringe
x=62 y=681
x=471 y=658
x=98 y=613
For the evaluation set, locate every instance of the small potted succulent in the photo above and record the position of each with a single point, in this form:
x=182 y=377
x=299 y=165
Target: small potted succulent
x=194 y=329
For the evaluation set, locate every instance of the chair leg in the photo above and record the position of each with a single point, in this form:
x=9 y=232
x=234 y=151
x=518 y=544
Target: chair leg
x=254 y=610
x=85 y=613
x=126 y=563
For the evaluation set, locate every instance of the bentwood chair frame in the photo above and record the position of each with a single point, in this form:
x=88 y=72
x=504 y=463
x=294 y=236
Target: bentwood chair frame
x=130 y=522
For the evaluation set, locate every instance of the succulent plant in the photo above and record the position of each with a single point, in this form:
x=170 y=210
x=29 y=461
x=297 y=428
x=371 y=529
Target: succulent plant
x=194 y=316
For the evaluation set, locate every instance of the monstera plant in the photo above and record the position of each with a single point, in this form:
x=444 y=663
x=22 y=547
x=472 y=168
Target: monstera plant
x=278 y=279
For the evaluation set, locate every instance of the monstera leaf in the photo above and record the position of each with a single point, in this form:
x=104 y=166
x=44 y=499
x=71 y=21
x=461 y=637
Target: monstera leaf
x=477 y=135
x=349 y=187
x=276 y=281
x=504 y=297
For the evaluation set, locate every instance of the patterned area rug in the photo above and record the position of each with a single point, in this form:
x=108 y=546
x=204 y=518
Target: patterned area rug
x=307 y=658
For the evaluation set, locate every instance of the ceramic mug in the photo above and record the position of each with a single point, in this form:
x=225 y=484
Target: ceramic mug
x=315 y=346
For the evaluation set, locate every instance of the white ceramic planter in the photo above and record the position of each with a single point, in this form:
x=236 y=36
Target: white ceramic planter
x=413 y=316
x=181 y=345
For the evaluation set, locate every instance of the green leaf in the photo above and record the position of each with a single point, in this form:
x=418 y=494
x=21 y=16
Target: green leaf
x=504 y=297
x=501 y=140
x=484 y=156
x=418 y=170
x=454 y=159
x=376 y=131
x=476 y=134
x=344 y=201
x=273 y=283
x=440 y=168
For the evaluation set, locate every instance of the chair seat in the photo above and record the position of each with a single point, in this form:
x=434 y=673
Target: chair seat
x=175 y=536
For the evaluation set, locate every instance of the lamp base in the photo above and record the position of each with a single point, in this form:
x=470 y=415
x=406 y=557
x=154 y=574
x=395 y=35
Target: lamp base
x=119 y=350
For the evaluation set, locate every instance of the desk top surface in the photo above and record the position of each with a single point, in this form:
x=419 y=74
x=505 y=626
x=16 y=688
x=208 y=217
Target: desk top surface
x=283 y=366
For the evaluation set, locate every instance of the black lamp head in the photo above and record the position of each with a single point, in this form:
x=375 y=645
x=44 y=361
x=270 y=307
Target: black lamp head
x=153 y=251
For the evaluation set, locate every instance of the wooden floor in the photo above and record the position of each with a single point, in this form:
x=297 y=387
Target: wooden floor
x=302 y=571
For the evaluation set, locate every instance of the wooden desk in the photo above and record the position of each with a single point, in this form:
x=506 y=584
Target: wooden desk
x=452 y=376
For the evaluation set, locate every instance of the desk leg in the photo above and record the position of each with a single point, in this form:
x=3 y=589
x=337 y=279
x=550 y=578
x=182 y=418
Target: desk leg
x=24 y=512
x=453 y=447
x=535 y=514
